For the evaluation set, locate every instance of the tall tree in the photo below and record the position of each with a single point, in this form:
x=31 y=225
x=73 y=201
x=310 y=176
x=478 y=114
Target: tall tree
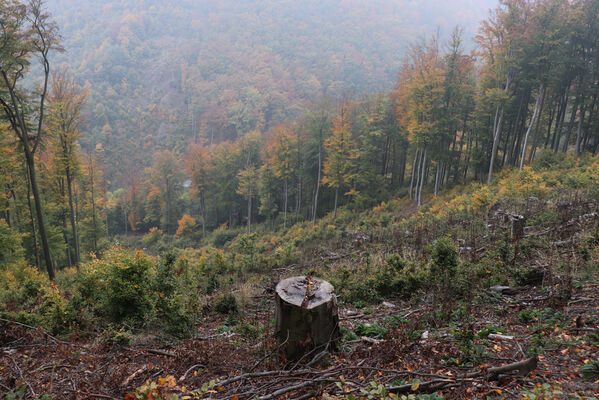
x=340 y=149
x=197 y=164
x=27 y=32
x=66 y=101
x=281 y=153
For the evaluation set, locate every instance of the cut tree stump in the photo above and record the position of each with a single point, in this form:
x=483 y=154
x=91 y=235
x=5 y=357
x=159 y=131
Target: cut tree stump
x=306 y=316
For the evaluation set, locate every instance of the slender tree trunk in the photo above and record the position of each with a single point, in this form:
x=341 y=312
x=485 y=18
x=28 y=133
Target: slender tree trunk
x=315 y=207
x=413 y=172
x=94 y=222
x=336 y=198
x=285 y=211
x=579 y=132
x=40 y=216
x=532 y=122
x=73 y=218
x=203 y=204
x=437 y=178
x=36 y=250
x=402 y=163
x=495 y=144
x=250 y=211
x=67 y=249
x=571 y=125
x=423 y=168
x=536 y=134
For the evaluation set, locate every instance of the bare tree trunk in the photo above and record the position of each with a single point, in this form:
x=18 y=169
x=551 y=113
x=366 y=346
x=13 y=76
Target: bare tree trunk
x=437 y=179
x=203 y=203
x=94 y=222
x=423 y=168
x=336 y=198
x=413 y=171
x=73 y=218
x=36 y=249
x=536 y=134
x=540 y=94
x=495 y=144
x=579 y=132
x=40 y=217
x=285 y=217
x=315 y=207
x=250 y=211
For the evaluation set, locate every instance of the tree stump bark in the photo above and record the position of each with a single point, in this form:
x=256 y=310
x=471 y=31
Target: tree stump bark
x=306 y=317
x=518 y=224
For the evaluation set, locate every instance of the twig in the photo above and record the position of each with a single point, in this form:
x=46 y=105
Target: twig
x=270 y=354
x=161 y=352
x=288 y=389
x=190 y=369
x=34 y=328
x=23 y=378
x=101 y=396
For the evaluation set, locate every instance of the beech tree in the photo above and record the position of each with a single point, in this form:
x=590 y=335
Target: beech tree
x=27 y=33
x=340 y=151
x=281 y=153
x=66 y=101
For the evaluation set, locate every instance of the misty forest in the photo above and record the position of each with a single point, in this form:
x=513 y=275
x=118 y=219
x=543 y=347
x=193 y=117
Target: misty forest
x=335 y=199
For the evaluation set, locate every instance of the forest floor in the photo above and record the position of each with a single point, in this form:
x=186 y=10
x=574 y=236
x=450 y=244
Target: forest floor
x=452 y=361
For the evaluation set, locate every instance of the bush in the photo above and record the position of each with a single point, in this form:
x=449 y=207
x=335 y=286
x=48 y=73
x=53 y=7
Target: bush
x=116 y=336
x=370 y=330
x=21 y=287
x=174 y=305
x=226 y=304
x=129 y=289
x=223 y=236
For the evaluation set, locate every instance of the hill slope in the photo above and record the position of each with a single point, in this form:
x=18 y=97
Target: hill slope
x=163 y=73
x=433 y=266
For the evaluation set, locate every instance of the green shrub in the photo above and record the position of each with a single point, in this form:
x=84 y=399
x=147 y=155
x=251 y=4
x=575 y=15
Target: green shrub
x=370 y=330
x=445 y=258
x=116 y=336
x=21 y=287
x=248 y=330
x=129 y=289
x=226 y=304
x=223 y=236
x=59 y=315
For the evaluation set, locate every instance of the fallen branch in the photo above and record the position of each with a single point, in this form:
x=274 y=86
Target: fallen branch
x=500 y=337
x=34 y=328
x=161 y=352
x=190 y=369
x=523 y=368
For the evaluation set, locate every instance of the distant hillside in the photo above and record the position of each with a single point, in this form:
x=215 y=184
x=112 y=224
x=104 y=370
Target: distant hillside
x=163 y=72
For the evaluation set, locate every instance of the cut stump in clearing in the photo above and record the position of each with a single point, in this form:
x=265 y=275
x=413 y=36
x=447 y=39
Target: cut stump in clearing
x=306 y=317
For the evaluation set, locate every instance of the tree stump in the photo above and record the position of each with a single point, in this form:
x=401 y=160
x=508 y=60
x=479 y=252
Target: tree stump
x=518 y=224
x=306 y=317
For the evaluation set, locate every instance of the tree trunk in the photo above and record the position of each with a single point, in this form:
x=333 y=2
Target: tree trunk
x=285 y=211
x=579 y=132
x=495 y=144
x=336 y=198
x=94 y=222
x=36 y=249
x=413 y=171
x=423 y=169
x=40 y=216
x=250 y=211
x=532 y=122
x=315 y=207
x=306 y=317
x=73 y=217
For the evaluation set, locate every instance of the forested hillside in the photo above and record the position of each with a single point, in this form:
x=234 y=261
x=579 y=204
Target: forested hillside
x=162 y=74
x=164 y=166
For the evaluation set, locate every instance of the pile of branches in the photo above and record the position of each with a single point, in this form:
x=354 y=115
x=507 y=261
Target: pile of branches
x=344 y=378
